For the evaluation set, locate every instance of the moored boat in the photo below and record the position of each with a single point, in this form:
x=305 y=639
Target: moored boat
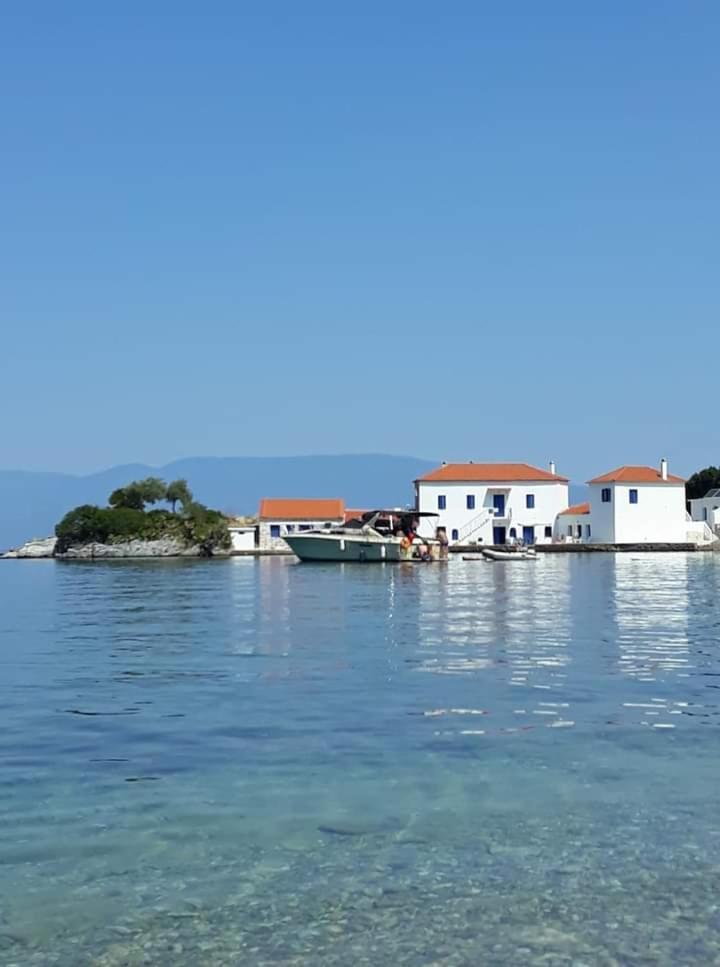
x=377 y=536
x=518 y=554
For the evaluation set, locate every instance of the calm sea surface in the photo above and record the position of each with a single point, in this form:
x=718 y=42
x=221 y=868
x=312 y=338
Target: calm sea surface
x=261 y=762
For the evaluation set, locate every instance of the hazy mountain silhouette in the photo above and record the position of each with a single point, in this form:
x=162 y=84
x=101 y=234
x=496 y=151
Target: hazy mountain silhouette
x=32 y=503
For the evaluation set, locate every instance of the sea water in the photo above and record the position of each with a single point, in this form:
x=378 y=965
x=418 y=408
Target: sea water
x=265 y=762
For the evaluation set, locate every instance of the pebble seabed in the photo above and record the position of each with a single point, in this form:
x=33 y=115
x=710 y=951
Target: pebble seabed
x=571 y=889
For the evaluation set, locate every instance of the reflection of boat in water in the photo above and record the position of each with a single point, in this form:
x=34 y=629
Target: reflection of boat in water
x=379 y=535
x=517 y=554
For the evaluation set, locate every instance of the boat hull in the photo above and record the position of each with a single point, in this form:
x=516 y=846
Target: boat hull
x=493 y=555
x=330 y=547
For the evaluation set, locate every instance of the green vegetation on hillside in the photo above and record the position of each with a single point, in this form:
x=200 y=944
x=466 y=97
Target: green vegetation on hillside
x=702 y=481
x=126 y=518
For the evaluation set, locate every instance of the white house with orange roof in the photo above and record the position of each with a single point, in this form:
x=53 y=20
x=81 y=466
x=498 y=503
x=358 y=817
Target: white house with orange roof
x=639 y=505
x=492 y=503
x=281 y=516
x=573 y=525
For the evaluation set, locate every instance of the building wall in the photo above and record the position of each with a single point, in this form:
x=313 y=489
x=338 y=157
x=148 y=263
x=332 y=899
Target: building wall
x=706 y=509
x=550 y=498
x=566 y=528
x=266 y=541
x=243 y=538
x=659 y=516
x=602 y=516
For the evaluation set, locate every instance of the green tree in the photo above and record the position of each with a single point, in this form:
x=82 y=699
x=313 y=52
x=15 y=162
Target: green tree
x=137 y=494
x=179 y=492
x=83 y=525
x=702 y=481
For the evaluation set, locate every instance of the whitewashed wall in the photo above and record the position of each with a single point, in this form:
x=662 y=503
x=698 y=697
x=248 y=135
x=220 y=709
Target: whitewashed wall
x=268 y=543
x=573 y=528
x=243 y=538
x=659 y=516
x=550 y=498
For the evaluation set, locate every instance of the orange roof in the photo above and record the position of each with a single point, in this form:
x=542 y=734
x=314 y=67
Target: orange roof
x=490 y=473
x=636 y=475
x=576 y=510
x=281 y=508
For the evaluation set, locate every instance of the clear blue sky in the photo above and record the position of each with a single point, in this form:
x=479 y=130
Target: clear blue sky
x=462 y=230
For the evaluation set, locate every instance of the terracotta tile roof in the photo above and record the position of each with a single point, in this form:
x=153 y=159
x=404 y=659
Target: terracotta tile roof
x=636 y=475
x=490 y=473
x=576 y=510
x=281 y=508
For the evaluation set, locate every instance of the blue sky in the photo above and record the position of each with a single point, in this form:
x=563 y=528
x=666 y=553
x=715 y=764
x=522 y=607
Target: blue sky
x=467 y=230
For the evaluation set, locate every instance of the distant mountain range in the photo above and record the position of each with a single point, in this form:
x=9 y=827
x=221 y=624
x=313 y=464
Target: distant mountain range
x=32 y=503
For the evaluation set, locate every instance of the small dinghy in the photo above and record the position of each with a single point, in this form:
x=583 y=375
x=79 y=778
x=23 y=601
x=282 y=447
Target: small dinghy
x=521 y=554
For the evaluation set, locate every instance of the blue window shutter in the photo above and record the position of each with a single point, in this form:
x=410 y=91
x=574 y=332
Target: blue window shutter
x=455 y=535
x=529 y=501
x=633 y=496
x=470 y=501
x=442 y=500
x=274 y=530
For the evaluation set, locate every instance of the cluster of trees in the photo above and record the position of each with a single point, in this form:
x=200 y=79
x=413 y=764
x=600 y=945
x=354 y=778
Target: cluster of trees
x=138 y=494
x=128 y=518
x=702 y=481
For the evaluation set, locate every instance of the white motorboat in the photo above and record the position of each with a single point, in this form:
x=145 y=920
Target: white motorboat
x=379 y=535
x=518 y=554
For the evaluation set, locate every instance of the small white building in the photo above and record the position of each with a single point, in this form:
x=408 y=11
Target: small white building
x=243 y=537
x=638 y=505
x=281 y=516
x=707 y=510
x=573 y=526
x=492 y=503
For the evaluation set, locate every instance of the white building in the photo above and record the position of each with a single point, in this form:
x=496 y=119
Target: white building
x=492 y=503
x=573 y=526
x=639 y=505
x=280 y=516
x=242 y=537
x=707 y=510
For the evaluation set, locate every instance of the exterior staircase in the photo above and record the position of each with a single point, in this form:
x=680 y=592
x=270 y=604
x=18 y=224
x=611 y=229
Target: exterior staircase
x=473 y=526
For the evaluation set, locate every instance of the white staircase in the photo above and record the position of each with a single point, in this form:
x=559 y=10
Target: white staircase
x=473 y=526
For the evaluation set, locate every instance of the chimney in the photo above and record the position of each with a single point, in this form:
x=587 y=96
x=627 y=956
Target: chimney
x=444 y=463
x=663 y=468
x=552 y=467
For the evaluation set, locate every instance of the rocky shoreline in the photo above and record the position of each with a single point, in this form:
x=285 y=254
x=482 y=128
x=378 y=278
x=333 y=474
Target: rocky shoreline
x=39 y=548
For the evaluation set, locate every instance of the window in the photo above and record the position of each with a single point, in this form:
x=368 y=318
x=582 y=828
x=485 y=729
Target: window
x=454 y=534
x=305 y=527
x=530 y=501
x=442 y=501
x=274 y=530
x=470 y=501
x=569 y=530
x=548 y=532
x=513 y=532
x=289 y=528
x=633 y=496
x=606 y=495
x=588 y=531
x=579 y=531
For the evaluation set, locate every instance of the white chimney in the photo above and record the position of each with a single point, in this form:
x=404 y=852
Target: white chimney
x=552 y=467
x=663 y=468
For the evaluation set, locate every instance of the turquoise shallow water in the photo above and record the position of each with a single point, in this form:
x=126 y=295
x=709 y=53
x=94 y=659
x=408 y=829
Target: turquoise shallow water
x=261 y=762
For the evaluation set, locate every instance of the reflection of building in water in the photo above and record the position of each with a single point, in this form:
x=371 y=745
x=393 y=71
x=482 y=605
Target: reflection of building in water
x=650 y=596
x=503 y=629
